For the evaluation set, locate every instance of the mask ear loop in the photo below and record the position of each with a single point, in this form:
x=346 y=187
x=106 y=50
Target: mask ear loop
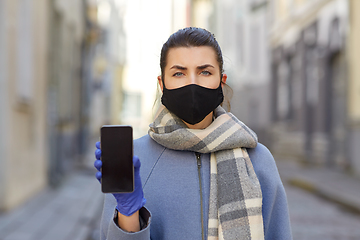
x=163 y=82
x=221 y=77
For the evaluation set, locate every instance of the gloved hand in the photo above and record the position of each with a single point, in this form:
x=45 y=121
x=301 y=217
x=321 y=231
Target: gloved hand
x=127 y=203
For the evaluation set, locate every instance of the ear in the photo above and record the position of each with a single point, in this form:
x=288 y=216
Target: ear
x=160 y=82
x=223 y=79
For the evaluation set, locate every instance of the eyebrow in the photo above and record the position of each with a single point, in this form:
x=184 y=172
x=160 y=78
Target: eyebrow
x=199 y=67
x=205 y=66
x=178 y=67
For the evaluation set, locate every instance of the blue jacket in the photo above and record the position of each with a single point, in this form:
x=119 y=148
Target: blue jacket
x=171 y=186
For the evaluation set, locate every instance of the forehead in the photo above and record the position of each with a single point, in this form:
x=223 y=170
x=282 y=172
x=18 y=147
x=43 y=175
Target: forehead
x=188 y=56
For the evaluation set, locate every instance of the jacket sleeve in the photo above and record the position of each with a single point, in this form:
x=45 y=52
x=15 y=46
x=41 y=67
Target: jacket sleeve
x=275 y=207
x=110 y=231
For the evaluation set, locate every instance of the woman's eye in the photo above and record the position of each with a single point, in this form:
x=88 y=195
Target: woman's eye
x=206 y=73
x=178 y=74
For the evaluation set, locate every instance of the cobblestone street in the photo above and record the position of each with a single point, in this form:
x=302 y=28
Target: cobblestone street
x=71 y=211
x=315 y=218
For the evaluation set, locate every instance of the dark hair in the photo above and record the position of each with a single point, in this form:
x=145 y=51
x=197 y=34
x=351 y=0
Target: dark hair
x=190 y=37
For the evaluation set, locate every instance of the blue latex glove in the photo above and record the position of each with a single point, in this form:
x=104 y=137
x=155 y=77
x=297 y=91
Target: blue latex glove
x=127 y=203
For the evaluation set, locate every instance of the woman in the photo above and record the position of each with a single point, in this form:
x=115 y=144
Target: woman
x=204 y=174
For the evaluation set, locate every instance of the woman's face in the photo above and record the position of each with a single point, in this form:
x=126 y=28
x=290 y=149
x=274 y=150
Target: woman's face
x=191 y=65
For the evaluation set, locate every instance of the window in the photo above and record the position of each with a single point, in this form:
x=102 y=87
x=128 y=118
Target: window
x=24 y=84
x=255 y=44
x=283 y=91
x=3 y=55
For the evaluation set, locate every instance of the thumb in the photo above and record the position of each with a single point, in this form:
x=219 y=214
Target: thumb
x=136 y=162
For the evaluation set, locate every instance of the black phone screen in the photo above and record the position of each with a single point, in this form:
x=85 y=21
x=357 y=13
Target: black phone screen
x=116 y=156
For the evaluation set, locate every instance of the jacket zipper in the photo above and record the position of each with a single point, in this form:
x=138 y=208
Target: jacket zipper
x=201 y=196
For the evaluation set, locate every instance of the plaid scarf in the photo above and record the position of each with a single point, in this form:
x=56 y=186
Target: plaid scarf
x=235 y=204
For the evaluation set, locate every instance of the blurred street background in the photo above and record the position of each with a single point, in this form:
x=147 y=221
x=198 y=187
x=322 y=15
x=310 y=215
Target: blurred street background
x=69 y=66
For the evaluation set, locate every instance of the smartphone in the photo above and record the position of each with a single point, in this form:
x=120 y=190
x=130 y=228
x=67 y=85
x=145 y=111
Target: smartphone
x=116 y=155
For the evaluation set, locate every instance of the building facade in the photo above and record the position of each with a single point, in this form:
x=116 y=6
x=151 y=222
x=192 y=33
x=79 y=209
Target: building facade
x=310 y=85
x=40 y=95
x=23 y=47
x=106 y=58
x=353 y=50
x=64 y=86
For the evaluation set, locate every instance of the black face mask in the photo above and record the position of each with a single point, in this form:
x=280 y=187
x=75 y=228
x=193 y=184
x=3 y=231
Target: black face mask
x=192 y=103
